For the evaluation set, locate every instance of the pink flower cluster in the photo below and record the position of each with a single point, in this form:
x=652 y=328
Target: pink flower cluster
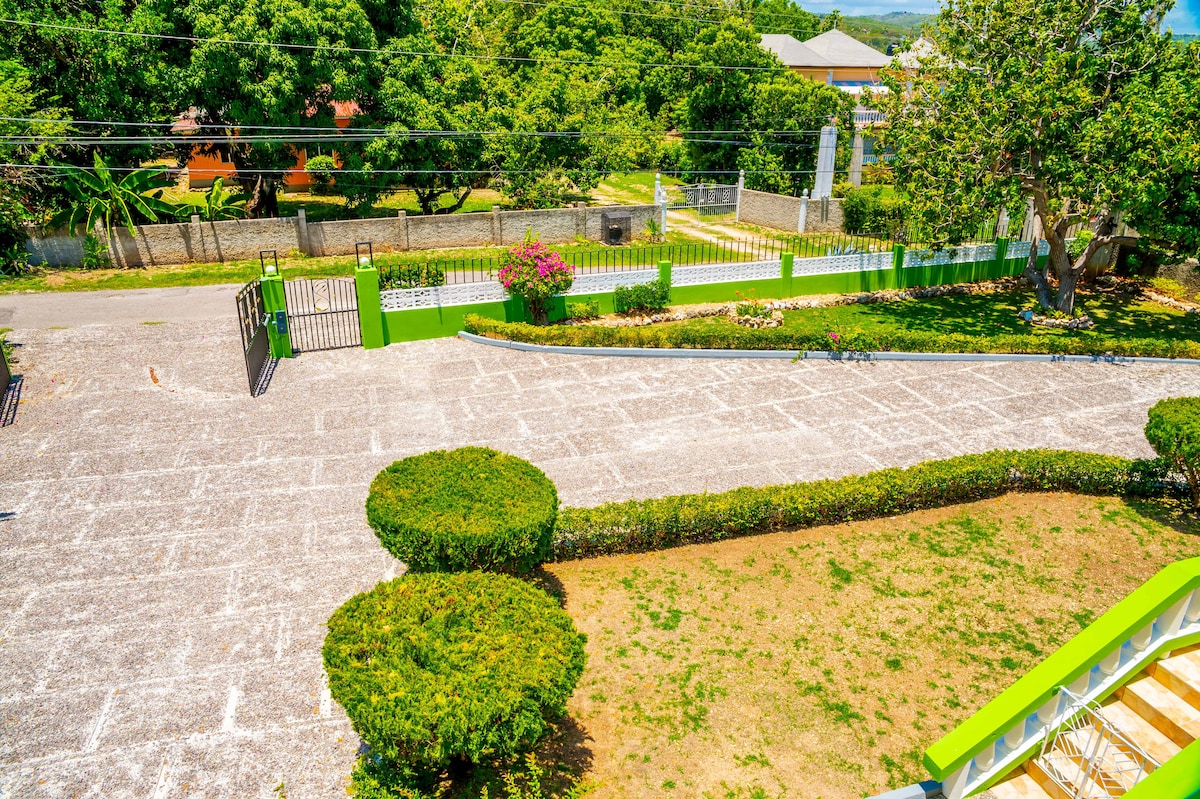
x=534 y=271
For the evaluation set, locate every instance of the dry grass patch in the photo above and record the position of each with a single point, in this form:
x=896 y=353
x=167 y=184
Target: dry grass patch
x=822 y=662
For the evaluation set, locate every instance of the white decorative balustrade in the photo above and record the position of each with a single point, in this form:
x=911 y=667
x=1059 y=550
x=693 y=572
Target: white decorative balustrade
x=454 y=294
x=951 y=255
x=603 y=282
x=838 y=264
x=725 y=273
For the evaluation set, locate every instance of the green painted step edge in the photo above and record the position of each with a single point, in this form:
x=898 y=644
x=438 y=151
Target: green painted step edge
x=1071 y=660
x=1178 y=778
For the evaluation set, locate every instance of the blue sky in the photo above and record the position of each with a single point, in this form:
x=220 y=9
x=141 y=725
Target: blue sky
x=1184 y=18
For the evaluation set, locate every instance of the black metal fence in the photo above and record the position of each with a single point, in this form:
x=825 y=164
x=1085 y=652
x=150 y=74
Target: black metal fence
x=256 y=344
x=437 y=272
x=322 y=313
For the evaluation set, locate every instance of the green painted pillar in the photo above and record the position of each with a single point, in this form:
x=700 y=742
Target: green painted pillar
x=787 y=263
x=664 y=274
x=898 y=265
x=1001 y=256
x=276 y=308
x=370 y=311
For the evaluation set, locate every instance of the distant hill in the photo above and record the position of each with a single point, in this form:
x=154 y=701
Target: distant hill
x=1186 y=37
x=880 y=30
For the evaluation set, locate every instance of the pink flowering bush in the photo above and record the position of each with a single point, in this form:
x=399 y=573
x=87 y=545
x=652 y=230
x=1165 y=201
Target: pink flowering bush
x=534 y=271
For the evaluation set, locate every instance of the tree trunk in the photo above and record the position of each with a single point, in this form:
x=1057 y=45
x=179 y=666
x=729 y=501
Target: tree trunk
x=458 y=203
x=1040 y=280
x=263 y=202
x=426 y=199
x=1066 y=291
x=540 y=311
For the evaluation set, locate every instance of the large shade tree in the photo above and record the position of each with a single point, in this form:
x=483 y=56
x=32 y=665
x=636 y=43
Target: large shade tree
x=1040 y=101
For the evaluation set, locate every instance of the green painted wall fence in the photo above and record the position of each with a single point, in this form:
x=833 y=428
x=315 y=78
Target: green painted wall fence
x=441 y=321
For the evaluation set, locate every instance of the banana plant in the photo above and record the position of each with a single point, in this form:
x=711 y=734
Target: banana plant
x=218 y=203
x=99 y=195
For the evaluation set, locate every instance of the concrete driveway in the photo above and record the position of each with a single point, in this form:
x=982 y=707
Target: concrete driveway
x=170 y=548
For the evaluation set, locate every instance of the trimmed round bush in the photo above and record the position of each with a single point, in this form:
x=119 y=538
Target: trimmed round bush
x=437 y=669
x=463 y=509
x=1174 y=432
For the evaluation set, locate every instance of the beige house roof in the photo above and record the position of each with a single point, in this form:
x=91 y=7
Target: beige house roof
x=792 y=52
x=842 y=50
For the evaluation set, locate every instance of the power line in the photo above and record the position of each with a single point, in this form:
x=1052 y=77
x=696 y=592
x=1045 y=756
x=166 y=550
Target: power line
x=326 y=128
x=377 y=51
x=497 y=171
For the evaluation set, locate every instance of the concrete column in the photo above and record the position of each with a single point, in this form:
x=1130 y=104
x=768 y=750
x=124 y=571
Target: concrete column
x=787 y=264
x=856 y=159
x=802 y=223
x=825 y=162
x=275 y=305
x=741 y=185
x=403 y=223
x=664 y=271
x=302 y=232
x=660 y=199
x=497 y=233
x=370 y=313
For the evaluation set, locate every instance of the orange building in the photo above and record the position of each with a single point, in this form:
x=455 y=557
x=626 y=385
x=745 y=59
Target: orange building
x=833 y=58
x=203 y=167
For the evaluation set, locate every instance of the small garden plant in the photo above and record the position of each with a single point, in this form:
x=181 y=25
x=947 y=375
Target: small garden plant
x=469 y=508
x=642 y=298
x=535 y=272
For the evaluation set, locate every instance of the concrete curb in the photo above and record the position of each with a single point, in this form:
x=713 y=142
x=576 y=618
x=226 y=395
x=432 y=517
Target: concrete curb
x=816 y=355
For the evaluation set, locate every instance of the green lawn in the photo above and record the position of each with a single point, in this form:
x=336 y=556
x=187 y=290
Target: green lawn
x=993 y=314
x=822 y=662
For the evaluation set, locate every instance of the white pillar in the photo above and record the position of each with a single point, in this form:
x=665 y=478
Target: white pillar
x=825 y=163
x=856 y=159
x=803 y=221
x=660 y=199
x=741 y=185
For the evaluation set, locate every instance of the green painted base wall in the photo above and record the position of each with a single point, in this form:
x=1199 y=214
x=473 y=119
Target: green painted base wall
x=424 y=323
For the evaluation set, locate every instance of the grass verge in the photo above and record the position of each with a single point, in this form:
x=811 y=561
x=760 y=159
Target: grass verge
x=822 y=662
x=982 y=323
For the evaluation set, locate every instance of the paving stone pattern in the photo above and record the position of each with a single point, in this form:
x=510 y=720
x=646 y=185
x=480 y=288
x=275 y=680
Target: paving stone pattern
x=170 y=550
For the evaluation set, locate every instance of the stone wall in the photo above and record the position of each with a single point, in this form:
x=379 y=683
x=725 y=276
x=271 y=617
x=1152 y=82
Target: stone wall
x=770 y=210
x=784 y=213
x=207 y=242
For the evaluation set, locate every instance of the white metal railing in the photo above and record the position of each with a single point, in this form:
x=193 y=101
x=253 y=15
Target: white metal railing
x=1088 y=756
x=1113 y=669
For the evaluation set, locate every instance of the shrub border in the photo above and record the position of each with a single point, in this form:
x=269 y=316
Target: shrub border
x=650 y=525
x=813 y=355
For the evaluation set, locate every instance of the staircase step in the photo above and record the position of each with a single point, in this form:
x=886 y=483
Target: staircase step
x=1163 y=708
x=1022 y=786
x=1045 y=784
x=1143 y=733
x=1181 y=674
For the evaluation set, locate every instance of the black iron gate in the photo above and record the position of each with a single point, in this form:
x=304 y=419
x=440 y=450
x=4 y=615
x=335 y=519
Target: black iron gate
x=322 y=313
x=256 y=344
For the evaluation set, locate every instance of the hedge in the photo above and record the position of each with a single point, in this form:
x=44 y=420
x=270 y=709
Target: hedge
x=1173 y=430
x=786 y=338
x=436 y=669
x=650 y=524
x=469 y=508
x=868 y=210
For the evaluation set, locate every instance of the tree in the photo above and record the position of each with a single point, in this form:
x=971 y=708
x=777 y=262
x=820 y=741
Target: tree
x=1167 y=210
x=243 y=85
x=1032 y=100
x=102 y=196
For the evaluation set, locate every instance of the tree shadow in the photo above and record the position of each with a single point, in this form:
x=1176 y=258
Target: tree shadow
x=548 y=582
x=1172 y=511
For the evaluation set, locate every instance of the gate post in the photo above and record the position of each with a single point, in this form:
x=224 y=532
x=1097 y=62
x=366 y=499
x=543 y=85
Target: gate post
x=787 y=262
x=276 y=308
x=370 y=311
